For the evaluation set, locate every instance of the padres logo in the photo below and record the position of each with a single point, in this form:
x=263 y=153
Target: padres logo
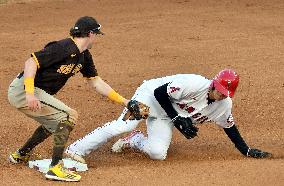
x=66 y=69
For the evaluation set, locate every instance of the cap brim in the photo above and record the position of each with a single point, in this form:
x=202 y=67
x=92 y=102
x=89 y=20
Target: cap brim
x=100 y=32
x=222 y=89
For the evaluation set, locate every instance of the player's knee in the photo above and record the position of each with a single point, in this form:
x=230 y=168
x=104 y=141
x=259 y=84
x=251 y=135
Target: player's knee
x=62 y=132
x=158 y=153
x=158 y=156
x=73 y=116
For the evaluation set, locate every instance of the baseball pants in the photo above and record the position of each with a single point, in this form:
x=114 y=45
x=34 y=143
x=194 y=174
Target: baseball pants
x=52 y=111
x=159 y=131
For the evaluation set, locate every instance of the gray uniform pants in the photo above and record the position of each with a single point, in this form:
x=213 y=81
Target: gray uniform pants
x=52 y=110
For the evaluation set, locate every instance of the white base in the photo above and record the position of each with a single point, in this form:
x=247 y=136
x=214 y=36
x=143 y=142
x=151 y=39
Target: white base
x=43 y=165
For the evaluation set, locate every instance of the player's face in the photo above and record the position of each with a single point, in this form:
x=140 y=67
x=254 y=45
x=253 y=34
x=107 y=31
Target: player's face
x=218 y=95
x=91 y=40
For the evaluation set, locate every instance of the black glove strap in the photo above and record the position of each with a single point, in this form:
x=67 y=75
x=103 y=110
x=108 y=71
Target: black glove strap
x=162 y=97
x=236 y=138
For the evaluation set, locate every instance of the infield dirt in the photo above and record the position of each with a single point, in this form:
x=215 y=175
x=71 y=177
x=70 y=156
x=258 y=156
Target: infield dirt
x=146 y=39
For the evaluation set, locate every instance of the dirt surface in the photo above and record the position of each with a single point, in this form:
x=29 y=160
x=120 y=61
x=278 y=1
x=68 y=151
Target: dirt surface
x=153 y=38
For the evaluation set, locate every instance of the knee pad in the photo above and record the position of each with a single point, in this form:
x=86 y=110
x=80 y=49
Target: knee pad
x=68 y=124
x=62 y=132
x=73 y=116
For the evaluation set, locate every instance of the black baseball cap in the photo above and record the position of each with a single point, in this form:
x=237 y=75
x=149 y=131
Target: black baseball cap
x=86 y=24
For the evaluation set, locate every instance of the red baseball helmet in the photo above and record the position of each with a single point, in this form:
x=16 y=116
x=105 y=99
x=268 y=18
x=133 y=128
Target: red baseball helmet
x=226 y=82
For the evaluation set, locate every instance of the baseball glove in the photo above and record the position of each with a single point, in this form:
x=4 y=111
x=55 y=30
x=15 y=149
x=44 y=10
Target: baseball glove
x=256 y=153
x=136 y=110
x=185 y=126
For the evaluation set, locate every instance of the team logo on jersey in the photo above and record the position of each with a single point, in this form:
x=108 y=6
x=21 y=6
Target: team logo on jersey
x=184 y=106
x=181 y=105
x=173 y=89
x=230 y=119
x=67 y=69
x=190 y=109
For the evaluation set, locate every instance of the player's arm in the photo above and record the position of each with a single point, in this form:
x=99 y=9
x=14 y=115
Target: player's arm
x=235 y=136
x=90 y=72
x=184 y=125
x=105 y=89
x=163 y=98
x=29 y=76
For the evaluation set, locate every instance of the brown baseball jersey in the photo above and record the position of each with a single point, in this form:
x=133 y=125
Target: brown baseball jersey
x=58 y=61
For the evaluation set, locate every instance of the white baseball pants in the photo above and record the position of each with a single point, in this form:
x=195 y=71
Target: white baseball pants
x=159 y=130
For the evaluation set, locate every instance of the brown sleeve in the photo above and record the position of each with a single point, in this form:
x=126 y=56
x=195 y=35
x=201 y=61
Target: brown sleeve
x=89 y=70
x=49 y=55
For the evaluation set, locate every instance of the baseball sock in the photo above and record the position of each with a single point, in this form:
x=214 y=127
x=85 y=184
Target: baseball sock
x=39 y=135
x=61 y=136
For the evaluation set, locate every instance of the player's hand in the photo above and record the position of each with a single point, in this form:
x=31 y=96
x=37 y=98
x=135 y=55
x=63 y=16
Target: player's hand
x=33 y=102
x=136 y=110
x=185 y=126
x=256 y=153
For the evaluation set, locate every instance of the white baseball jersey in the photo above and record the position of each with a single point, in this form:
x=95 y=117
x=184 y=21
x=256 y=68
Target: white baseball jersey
x=189 y=96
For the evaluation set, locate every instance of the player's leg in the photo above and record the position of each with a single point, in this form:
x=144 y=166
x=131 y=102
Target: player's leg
x=55 y=117
x=100 y=135
x=159 y=129
x=23 y=153
x=52 y=112
x=157 y=142
x=159 y=138
x=59 y=119
x=17 y=98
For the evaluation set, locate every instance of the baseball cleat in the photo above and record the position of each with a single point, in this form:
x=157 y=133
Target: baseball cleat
x=59 y=173
x=124 y=143
x=15 y=157
x=74 y=156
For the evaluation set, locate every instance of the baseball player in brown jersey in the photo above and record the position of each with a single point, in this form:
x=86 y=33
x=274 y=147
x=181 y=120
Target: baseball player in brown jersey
x=45 y=73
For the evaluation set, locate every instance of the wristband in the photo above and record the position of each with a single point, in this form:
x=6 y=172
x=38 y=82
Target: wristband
x=114 y=96
x=29 y=85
